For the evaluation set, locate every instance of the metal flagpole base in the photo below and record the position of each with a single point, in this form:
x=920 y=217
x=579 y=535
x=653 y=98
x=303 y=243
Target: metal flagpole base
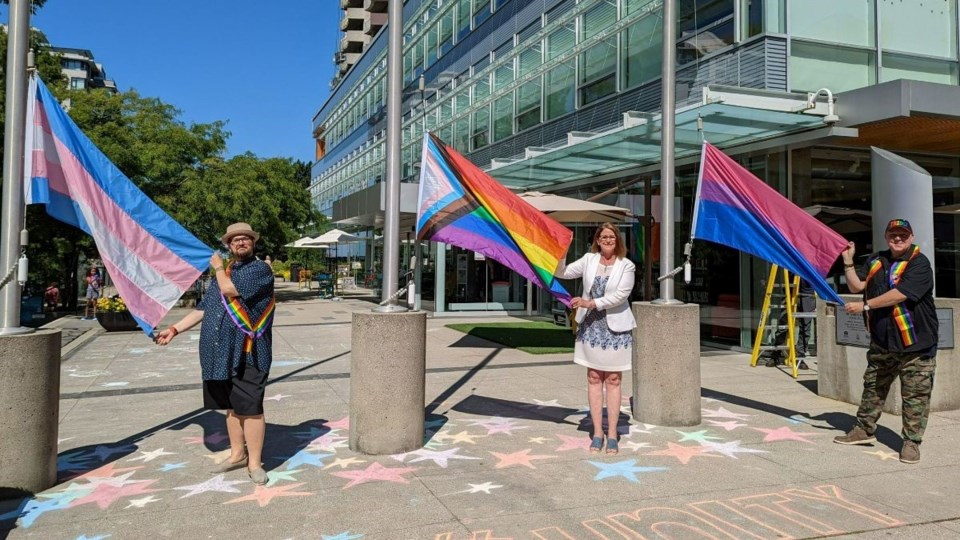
x=16 y=331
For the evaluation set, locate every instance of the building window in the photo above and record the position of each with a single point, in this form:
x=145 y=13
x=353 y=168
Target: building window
x=446 y=32
x=929 y=29
x=503 y=117
x=503 y=76
x=898 y=66
x=461 y=135
x=481 y=12
x=77 y=83
x=481 y=128
x=850 y=22
x=481 y=89
x=560 y=41
x=528 y=104
x=598 y=64
x=815 y=65
x=463 y=19
x=560 y=85
x=642 y=51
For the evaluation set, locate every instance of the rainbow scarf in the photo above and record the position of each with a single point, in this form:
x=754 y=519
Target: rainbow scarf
x=241 y=319
x=901 y=316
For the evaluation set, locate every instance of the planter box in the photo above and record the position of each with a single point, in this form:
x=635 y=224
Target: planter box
x=117 y=321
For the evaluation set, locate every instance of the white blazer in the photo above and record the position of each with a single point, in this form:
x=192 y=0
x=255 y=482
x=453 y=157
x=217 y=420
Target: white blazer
x=615 y=295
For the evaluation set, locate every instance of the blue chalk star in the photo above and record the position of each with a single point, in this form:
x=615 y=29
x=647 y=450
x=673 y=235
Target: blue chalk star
x=626 y=469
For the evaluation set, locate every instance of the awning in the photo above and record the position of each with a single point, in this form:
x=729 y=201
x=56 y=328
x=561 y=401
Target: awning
x=637 y=142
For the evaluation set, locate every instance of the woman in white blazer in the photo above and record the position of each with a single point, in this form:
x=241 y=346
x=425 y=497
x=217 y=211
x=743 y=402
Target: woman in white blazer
x=605 y=326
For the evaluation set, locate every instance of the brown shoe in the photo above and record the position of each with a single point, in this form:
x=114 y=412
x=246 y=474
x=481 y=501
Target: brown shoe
x=856 y=436
x=910 y=453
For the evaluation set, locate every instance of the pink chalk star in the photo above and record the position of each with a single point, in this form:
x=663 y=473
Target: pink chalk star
x=105 y=494
x=683 y=453
x=498 y=424
x=263 y=495
x=343 y=423
x=785 y=434
x=572 y=443
x=522 y=457
x=213 y=439
x=374 y=473
x=723 y=413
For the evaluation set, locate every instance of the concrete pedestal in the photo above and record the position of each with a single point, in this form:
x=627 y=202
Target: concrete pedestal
x=666 y=364
x=387 y=379
x=29 y=410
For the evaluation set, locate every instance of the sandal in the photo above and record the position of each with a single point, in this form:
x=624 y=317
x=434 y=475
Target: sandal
x=258 y=476
x=226 y=465
x=612 y=446
x=596 y=445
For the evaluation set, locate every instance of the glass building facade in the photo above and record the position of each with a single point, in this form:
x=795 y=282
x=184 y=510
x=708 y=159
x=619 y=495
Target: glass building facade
x=504 y=79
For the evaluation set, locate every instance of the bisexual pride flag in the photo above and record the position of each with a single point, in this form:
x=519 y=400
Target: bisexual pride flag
x=463 y=206
x=152 y=259
x=735 y=208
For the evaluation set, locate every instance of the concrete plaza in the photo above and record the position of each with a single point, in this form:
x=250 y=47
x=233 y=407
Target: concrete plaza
x=506 y=457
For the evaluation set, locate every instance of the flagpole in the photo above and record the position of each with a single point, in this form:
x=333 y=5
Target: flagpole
x=11 y=214
x=667 y=137
x=394 y=96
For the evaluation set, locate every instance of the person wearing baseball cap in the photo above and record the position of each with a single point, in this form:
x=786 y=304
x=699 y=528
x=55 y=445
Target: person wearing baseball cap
x=236 y=347
x=898 y=304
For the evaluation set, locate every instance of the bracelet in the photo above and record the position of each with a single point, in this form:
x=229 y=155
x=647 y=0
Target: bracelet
x=848 y=266
x=217 y=268
x=175 y=331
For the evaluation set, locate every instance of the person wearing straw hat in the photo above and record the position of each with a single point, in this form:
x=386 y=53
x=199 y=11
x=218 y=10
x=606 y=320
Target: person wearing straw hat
x=236 y=346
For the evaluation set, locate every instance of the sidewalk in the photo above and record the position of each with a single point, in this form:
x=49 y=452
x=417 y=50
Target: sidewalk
x=506 y=456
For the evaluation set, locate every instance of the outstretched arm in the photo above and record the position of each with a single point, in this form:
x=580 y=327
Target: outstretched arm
x=184 y=324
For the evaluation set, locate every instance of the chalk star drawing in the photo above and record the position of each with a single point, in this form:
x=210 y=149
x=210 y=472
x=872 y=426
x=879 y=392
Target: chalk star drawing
x=883 y=455
x=140 y=503
x=264 y=495
x=216 y=484
x=515 y=459
x=375 y=473
x=328 y=442
x=212 y=439
x=343 y=423
x=626 y=469
x=683 y=453
x=498 y=424
x=458 y=438
x=167 y=467
x=276 y=397
x=572 y=443
x=343 y=463
x=305 y=457
x=545 y=404
x=634 y=429
x=635 y=446
x=107 y=473
x=438 y=457
x=538 y=440
x=103 y=451
x=730 y=449
x=105 y=494
x=785 y=434
x=345 y=535
x=698 y=436
x=482 y=488
x=729 y=425
x=277 y=476
x=723 y=413
x=150 y=456
x=31 y=509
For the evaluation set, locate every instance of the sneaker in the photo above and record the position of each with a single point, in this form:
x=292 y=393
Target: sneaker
x=802 y=365
x=910 y=453
x=856 y=436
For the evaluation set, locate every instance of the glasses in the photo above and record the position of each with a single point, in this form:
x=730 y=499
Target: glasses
x=240 y=240
x=898 y=236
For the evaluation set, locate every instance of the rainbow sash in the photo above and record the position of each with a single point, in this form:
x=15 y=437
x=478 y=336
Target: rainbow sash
x=902 y=317
x=241 y=319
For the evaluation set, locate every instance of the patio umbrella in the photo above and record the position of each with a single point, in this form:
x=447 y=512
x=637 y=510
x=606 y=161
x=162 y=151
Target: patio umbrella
x=570 y=210
x=302 y=243
x=334 y=237
x=842 y=220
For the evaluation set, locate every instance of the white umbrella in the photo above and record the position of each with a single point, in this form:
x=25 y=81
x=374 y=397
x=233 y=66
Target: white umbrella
x=570 y=210
x=302 y=243
x=334 y=237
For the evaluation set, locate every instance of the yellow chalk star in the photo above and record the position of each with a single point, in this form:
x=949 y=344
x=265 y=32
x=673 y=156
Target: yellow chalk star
x=343 y=463
x=883 y=455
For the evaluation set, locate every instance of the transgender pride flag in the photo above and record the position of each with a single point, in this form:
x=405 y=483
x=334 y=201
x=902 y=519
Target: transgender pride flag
x=151 y=258
x=736 y=209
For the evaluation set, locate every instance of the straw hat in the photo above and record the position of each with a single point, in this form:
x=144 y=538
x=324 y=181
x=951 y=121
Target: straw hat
x=237 y=229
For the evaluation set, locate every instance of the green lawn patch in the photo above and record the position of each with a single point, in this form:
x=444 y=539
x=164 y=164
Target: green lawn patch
x=530 y=337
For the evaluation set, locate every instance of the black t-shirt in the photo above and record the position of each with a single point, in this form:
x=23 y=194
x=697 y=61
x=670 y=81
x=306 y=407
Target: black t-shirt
x=916 y=319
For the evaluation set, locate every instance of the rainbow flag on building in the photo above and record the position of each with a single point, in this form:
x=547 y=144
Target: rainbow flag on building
x=463 y=206
x=151 y=258
x=735 y=208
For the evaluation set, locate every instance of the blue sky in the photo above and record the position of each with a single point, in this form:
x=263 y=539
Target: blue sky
x=264 y=67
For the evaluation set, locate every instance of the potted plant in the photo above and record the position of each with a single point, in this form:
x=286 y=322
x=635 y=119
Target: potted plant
x=113 y=316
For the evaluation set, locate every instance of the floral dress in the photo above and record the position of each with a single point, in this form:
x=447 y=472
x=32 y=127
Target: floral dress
x=597 y=346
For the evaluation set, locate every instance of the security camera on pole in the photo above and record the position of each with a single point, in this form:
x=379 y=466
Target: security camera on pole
x=29 y=360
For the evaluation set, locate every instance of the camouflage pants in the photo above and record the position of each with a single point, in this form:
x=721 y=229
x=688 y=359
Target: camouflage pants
x=916 y=384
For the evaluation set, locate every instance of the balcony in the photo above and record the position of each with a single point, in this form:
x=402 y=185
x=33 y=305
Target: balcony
x=373 y=23
x=354 y=41
x=353 y=19
x=375 y=6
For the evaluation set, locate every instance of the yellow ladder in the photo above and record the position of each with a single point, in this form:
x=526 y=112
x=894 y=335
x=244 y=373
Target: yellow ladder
x=767 y=331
